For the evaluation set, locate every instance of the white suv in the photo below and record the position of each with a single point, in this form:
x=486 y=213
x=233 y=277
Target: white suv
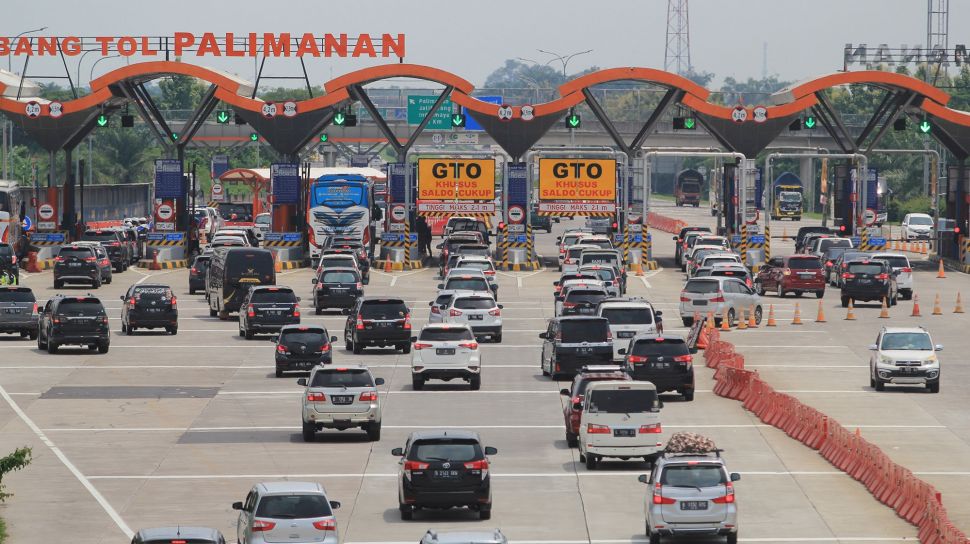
x=478 y=311
x=904 y=272
x=904 y=356
x=628 y=318
x=341 y=397
x=445 y=352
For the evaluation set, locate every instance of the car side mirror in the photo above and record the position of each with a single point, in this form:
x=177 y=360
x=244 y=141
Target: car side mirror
x=556 y=283
x=558 y=239
x=621 y=351
x=237 y=505
x=564 y=392
x=414 y=339
x=500 y=307
x=122 y=297
x=543 y=335
x=643 y=479
x=439 y=246
x=430 y=303
x=658 y=313
x=333 y=338
x=441 y=286
x=378 y=381
x=335 y=505
x=873 y=347
x=298 y=299
x=345 y=311
x=674 y=238
x=489 y=450
x=301 y=381
x=735 y=476
x=314 y=281
x=399 y=452
x=938 y=347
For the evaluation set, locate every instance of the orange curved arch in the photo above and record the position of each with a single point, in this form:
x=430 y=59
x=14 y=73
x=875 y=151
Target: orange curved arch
x=386 y=71
x=651 y=75
x=868 y=76
x=774 y=112
x=92 y=100
x=311 y=104
x=162 y=67
x=949 y=114
x=546 y=108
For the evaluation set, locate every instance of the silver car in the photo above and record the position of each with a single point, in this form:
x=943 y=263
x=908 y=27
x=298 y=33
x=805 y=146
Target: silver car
x=446 y=352
x=628 y=318
x=690 y=495
x=293 y=512
x=608 y=275
x=718 y=295
x=570 y=263
x=341 y=397
x=478 y=311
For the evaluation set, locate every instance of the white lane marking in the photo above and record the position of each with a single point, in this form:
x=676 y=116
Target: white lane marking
x=455 y=392
x=805 y=366
x=799 y=346
x=646 y=283
x=396 y=276
x=85 y=481
x=260 y=368
x=644 y=540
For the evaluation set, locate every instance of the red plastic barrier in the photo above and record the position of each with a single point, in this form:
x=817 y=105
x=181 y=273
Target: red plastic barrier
x=666 y=224
x=104 y=224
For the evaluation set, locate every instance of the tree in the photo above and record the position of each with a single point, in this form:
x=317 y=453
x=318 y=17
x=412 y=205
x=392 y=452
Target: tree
x=180 y=92
x=124 y=155
x=17 y=460
x=752 y=91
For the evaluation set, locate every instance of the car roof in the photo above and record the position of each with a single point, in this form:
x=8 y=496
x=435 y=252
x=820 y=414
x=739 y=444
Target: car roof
x=291 y=487
x=877 y=255
x=626 y=303
x=152 y=285
x=270 y=287
x=479 y=258
x=180 y=532
x=580 y=318
x=905 y=329
x=300 y=326
x=681 y=459
x=654 y=336
x=465 y=537
x=383 y=299
x=338 y=367
x=445 y=433
x=446 y=326
x=607 y=384
x=341 y=269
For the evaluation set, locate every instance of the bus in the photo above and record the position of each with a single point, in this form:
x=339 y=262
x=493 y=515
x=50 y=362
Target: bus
x=12 y=210
x=232 y=271
x=341 y=205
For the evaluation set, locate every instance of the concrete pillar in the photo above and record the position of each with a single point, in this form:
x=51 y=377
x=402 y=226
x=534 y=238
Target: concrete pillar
x=806 y=171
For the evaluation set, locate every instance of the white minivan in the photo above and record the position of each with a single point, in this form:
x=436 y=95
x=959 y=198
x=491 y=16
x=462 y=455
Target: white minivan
x=621 y=419
x=917 y=226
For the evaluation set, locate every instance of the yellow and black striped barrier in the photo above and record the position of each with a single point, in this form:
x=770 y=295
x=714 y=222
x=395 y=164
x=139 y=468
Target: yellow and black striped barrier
x=282 y=243
x=767 y=243
x=48 y=239
x=964 y=245
x=743 y=249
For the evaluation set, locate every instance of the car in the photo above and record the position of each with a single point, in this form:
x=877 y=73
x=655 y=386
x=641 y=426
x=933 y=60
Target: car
x=904 y=356
x=227 y=241
x=180 y=533
x=104 y=263
x=600 y=225
x=663 y=360
x=717 y=295
x=118 y=249
x=267 y=309
x=336 y=288
x=828 y=259
x=569 y=238
x=467 y=282
x=263 y=225
x=838 y=265
x=76 y=264
x=620 y=419
x=446 y=352
x=149 y=306
x=903 y=269
x=130 y=235
x=573 y=407
x=358 y=250
x=565 y=278
x=209 y=220
x=679 y=240
x=301 y=347
x=478 y=311
x=444 y=468
x=440 y=302
x=809 y=240
x=200 y=266
x=728 y=270
x=917 y=226
x=476 y=272
x=232 y=272
x=698 y=240
x=472 y=250
x=867 y=280
x=451 y=243
x=805 y=231
x=537 y=221
x=605 y=257
x=570 y=343
x=483 y=264
x=295 y=512
x=566 y=286
x=628 y=318
x=581 y=299
x=715 y=257
x=73 y=320
x=341 y=397
x=598 y=240
x=248 y=234
x=378 y=321
x=570 y=263
x=819 y=246
x=8 y=262
x=464 y=537
x=696 y=252
x=690 y=495
x=611 y=279
x=18 y=311
x=792 y=274
x=466 y=224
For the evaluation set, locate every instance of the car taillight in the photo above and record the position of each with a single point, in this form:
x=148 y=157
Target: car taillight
x=13 y=259
x=683 y=359
x=847 y=276
x=296 y=310
x=35 y=309
x=193 y=270
x=728 y=497
x=360 y=322
x=747 y=282
x=828 y=264
x=481 y=466
x=568 y=304
x=250 y=311
x=658 y=497
x=58 y=259
x=360 y=285
x=719 y=297
x=90 y=259
x=174 y=303
x=281 y=349
x=325 y=348
x=469 y=345
x=907 y=269
x=637 y=359
x=260 y=525
x=316 y=397
x=368 y=396
x=650 y=429
x=325 y=525
x=131 y=301
x=436 y=310
x=421 y=345
x=684 y=298
x=592 y=428
x=495 y=312
x=407 y=321
x=103 y=320
x=412 y=466
x=882 y=277
x=454 y=313
x=489 y=272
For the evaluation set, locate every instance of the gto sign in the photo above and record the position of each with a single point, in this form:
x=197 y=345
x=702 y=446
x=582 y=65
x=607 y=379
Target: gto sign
x=577 y=179
x=456 y=179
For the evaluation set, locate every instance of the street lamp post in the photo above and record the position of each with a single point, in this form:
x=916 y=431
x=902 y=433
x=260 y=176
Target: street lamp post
x=564 y=59
x=7 y=146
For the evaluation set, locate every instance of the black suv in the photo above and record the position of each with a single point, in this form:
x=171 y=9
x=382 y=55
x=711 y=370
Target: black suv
x=149 y=306
x=444 y=469
x=267 y=308
x=73 y=320
x=570 y=343
x=864 y=279
x=375 y=321
x=336 y=288
x=301 y=347
x=8 y=263
x=119 y=250
x=359 y=252
x=197 y=273
x=663 y=360
x=76 y=264
x=583 y=300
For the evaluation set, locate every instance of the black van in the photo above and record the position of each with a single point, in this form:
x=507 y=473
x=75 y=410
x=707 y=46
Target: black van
x=232 y=271
x=570 y=343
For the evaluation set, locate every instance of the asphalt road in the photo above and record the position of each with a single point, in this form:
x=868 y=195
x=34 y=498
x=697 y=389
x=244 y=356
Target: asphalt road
x=169 y=430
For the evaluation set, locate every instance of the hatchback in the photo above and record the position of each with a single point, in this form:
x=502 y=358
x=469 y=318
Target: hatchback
x=480 y=312
x=446 y=352
x=294 y=512
x=340 y=398
x=904 y=272
x=267 y=309
x=186 y=535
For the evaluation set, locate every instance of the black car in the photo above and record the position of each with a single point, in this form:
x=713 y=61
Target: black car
x=180 y=533
x=444 y=469
x=570 y=343
x=18 y=311
x=266 y=308
x=865 y=280
x=375 y=321
x=301 y=347
x=336 y=288
x=679 y=241
x=130 y=236
x=197 y=273
x=76 y=264
x=119 y=250
x=582 y=300
x=8 y=263
x=149 y=306
x=359 y=252
x=104 y=262
x=663 y=360
x=543 y=222
x=73 y=320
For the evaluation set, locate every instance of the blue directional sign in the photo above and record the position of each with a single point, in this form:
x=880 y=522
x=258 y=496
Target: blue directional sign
x=637 y=238
x=736 y=239
x=396 y=172
x=219 y=165
x=470 y=122
x=391 y=237
x=877 y=241
x=285 y=180
x=168 y=179
x=757 y=239
x=27 y=223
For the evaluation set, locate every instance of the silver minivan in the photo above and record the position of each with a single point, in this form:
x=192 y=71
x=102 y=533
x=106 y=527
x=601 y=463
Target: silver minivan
x=621 y=419
x=293 y=512
x=628 y=318
x=718 y=295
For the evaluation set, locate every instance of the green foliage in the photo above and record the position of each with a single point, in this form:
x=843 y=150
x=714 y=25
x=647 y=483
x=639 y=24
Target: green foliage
x=180 y=92
x=17 y=460
x=752 y=91
x=282 y=94
x=898 y=209
x=3 y=531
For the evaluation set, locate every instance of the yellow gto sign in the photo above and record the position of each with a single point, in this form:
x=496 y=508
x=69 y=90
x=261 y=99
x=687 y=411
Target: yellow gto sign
x=451 y=179
x=577 y=179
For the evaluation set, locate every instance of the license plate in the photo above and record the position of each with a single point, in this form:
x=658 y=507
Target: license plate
x=624 y=433
x=693 y=505
x=73 y=264
x=445 y=351
x=11 y=310
x=303 y=364
x=154 y=310
x=626 y=334
x=700 y=303
x=806 y=274
x=908 y=369
x=586 y=310
x=584 y=351
x=473 y=317
x=660 y=365
x=445 y=474
x=274 y=312
x=338 y=291
x=864 y=281
x=342 y=399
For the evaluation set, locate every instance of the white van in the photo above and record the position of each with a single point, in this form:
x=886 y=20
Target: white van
x=620 y=419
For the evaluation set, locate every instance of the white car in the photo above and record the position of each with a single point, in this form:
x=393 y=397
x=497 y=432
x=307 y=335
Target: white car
x=904 y=356
x=475 y=271
x=904 y=272
x=598 y=240
x=341 y=397
x=478 y=311
x=262 y=223
x=620 y=419
x=917 y=226
x=570 y=263
x=628 y=318
x=569 y=238
x=445 y=352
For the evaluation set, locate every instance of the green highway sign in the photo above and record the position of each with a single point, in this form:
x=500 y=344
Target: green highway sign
x=810 y=122
x=573 y=121
x=223 y=117
x=420 y=105
x=925 y=127
x=102 y=120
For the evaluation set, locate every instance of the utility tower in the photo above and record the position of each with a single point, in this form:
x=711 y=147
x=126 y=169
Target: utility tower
x=937 y=24
x=677 y=50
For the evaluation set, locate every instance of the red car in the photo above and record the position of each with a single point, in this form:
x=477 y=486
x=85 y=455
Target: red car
x=793 y=274
x=573 y=409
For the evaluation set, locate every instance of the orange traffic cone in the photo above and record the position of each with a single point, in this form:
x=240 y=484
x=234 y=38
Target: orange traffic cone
x=155 y=264
x=771 y=316
x=742 y=321
x=959 y=307
x=387 y=264
x=936 y=306
x=884 y=313
x=941 y=273
x=924 y=249
x=905 y=245
x=710 y=320
x=784 y=233
x=752 y=322
x=820 y=317
x=850 y=315
x=725 y=326
x=915 y=307
x=277 y=263
x=797 y=319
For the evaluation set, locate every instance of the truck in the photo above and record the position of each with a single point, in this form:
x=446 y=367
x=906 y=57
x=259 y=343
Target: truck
x=687 y=188
x=787 y=197
x=341 y=205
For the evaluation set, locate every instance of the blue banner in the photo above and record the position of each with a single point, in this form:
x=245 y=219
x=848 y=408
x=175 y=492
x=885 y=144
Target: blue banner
x=518 y=184
x=395 y=172
x=168 y=179
x=285 y=179
x=50 y=237
x=757 y=239
x=219 y=165
x=470 y=122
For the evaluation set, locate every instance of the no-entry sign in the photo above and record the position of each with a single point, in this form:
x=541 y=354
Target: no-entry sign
x=398 y=213
x=516 y=214
x=46 y=212
x=577 y=179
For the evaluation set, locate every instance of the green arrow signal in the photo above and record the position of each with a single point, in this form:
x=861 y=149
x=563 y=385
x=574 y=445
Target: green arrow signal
x=324 y=138
x=925 y=127
x=175 y=136
x=689 y=123
x=573 y=120
x=102 y=120
x=339 y=119
x=809 y=122
x=253 y=136
x=457 y=120
x=223 y=117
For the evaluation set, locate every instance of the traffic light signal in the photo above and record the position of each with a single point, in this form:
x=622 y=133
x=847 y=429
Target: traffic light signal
x=924 y=127
x=102 y=121
x=127 y=121
x=573 y=121
x=342 y=119
x=223 y=117
x=685 y=123
x=175 y=136
x=324 y=138
x=458 y=120
x=809 y=121
x=899 y=124
x=253 y=137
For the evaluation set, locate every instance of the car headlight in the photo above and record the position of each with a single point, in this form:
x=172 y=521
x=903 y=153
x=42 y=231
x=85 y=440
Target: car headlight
x=883 y=360
x=930 y=360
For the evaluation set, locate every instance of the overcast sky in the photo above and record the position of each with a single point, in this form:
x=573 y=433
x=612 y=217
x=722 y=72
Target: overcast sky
x=804 y=37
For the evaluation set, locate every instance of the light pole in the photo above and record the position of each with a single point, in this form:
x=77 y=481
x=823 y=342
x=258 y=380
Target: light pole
x=564 y=59
x=12 y=45
x=7 y=146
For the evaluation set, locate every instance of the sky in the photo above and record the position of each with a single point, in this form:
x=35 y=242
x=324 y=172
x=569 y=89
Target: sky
x=805 y=37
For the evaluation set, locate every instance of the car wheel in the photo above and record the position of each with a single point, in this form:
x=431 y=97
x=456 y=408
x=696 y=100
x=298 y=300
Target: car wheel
x=497 y=339
x=172 y=330
x=654 y=538
x=212 y=313
x=732 y=538
x=124 y=328
x=872 y=381
x=309 y=432
x=103 y=348
x=485 y=514
x=248 y=334
x=688 y=395
x=58 y=284
x=374 y=431
x=318 y=311
x=191 y=291
x=845 y=302
x=131 y=330
x=33 y=335
x=688 y=321
x=407 y=513
x=406 y=348
x=357 y=348
x=880 y=385
x=759 y=288
x=934 y=387
x=758 y=313
x=572 y=440
x=96 y=283
x=781 y=292
x=476 y=383
x=895 y=300
x=51 y=347
x=591 y=462
x=417 y=383
x=799 y=294
x=819 y=294
x=279 y=372
x=731 y=317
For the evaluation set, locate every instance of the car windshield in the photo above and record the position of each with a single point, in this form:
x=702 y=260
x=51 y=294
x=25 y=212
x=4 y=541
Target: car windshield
x=709 y=242
x=340 y=262
x=907 y=341
x=693 y=476
x=895 y=261
x=865 y=268
x=436 y=334
x=604 y=274
x=339 y=277
x=152 y=292
x=100 y=236
x=271 y=296
x=304 y=337
x=917 y=220
x=585 y=330
x=712 y=260
x=480 y=303
x=802 y=263
x=786 y=196
x=569 y=239
x=628 y=316
x=80 y=308
x=702 y=287
x=17 y=295
x=590 y=297
x=262 y=219
x=458 y=450
x=293 y=507
x=383 y=309
x=76 y=252
x=668 y=348
x=826 y=243
x=622 y=401
x=477 y=265
x=342 y=377
x=467 y=284
x=574 y=252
